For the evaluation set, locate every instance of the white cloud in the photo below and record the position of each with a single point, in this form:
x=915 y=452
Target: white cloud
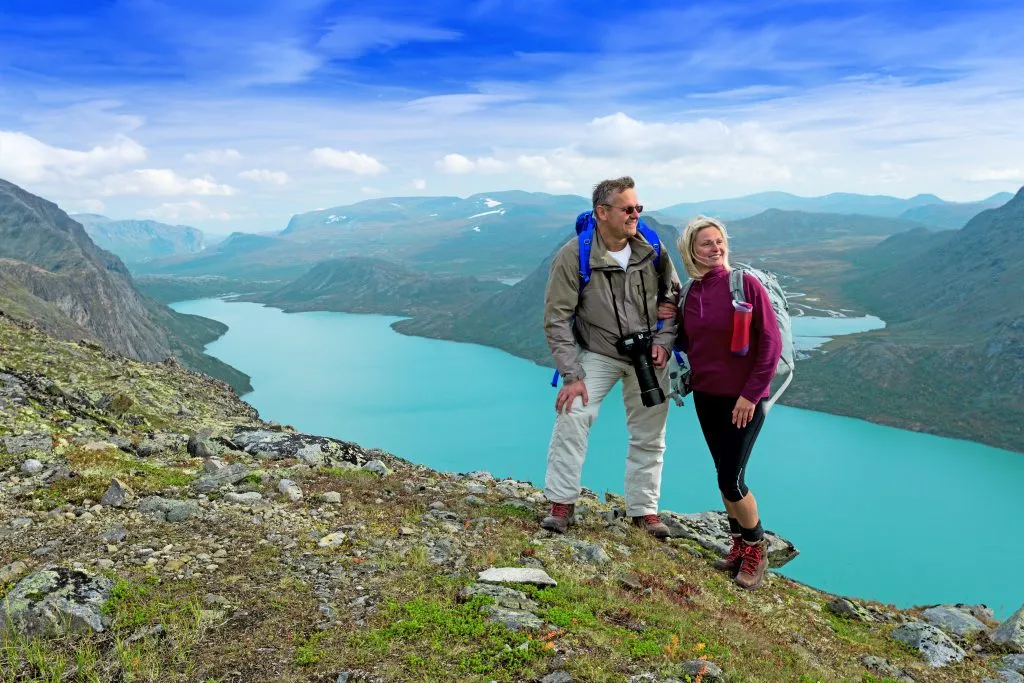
x=24 y=158
x=355 y=162
x=456 y=164
x=215 y=157
x=162 y=182
x=352 y=37
x=419 y=184
x=265 y=177
x=985 y=175
x=188 y=210
x=90 y=206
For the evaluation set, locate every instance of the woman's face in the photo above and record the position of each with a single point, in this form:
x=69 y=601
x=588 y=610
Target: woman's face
x=710 y=248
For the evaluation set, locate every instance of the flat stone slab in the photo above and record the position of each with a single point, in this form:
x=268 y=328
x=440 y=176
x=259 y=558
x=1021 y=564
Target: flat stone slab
x=310 y=449
x=711 y=530
x=934 y=645
x=531 y=575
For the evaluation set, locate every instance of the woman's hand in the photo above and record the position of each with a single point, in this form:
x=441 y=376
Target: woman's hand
x=742 y=413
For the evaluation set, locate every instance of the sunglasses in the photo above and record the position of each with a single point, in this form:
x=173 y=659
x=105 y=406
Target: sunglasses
x=639 y=208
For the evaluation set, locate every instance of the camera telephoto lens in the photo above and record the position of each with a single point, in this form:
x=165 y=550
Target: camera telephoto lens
x=650 y=391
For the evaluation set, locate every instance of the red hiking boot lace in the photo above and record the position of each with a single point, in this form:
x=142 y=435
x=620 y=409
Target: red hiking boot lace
x=736 y=551
x=561 y=510
x=751 y=558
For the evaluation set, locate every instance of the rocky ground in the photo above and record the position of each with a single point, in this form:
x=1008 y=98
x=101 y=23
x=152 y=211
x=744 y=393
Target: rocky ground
x=153 y=528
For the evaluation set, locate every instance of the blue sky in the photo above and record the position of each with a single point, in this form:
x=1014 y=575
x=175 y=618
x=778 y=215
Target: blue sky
x=236 y=115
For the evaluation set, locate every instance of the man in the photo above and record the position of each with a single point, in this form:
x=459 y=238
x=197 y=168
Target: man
x=583 y=325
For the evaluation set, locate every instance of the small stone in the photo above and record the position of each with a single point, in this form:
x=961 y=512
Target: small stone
x=24 y=522
x=248 y=498
x=475 y=501
x=476 y=489
x=105 y=563
x=290 y=490
x=557 y=677
x=86 y=517
x=437 y=505
x=31 y=467
x=952 y=619
x=213 y=465
x=221 y=553
x=115 y=535
x=331 y=540
x=407 y=531
x=332 y=497
x=13 y=571
x=117 y=494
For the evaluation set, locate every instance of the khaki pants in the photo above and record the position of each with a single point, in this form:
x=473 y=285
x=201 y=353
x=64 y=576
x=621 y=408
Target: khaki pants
x=646 y=426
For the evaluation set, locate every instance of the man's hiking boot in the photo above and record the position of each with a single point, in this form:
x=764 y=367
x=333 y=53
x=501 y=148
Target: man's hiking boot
x=753 y=564
x=731 y=562
x=558 y=520
x=653 y=525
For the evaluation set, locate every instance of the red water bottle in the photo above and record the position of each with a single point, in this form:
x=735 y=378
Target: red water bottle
x=741 y=315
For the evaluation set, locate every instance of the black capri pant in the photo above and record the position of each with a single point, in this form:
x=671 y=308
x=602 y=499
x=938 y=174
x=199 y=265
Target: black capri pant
x=730 y=445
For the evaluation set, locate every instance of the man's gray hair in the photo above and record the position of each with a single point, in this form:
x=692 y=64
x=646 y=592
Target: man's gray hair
x=604 y=189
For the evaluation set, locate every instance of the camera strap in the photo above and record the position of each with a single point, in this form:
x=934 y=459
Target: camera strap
x=615 y=306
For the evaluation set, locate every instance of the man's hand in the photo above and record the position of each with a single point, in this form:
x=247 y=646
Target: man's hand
x=568 y=393
x=743 y=413
x=659 y=354
x=667 y=310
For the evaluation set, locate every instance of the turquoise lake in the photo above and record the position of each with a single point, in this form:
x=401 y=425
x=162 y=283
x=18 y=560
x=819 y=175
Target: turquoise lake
x=877 y=512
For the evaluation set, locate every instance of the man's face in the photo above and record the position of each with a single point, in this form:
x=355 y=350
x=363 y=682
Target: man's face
x=614 y=217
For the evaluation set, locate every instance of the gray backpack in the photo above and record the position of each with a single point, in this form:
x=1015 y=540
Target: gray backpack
x=787 y=362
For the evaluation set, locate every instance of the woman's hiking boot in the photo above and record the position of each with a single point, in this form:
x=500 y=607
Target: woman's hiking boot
x=731 y=562
x=753 y=564
x=558 y=520
x=653 y=525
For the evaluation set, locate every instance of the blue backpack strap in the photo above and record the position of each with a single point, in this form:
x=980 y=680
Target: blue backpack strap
x=652 y=239
x=585 y=226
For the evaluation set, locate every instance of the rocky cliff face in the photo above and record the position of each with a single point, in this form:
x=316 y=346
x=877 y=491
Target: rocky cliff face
x=59 y=278
x=136 y=241
x=152 y=527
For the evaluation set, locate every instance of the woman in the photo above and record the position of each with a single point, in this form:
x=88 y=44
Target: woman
x=729 y=381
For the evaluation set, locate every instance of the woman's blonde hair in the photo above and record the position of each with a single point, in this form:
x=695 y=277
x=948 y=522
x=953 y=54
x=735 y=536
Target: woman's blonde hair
x=688 y=240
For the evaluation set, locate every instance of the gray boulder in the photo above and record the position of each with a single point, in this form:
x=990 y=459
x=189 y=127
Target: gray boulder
x=934 y=645
x=31 y=467
x=168 y=509
x=514 y=619
x=230 y=474
x=201 y=446
x=711 y=530
x=53 y=602
x=378 y=467
x=1012 y=662
x=313 y=450
x=1011 y=632
x=117 y=494
x=953 y=619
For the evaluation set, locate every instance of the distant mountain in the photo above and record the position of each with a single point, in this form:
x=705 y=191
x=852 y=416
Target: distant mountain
x=135 y=241
x=56 y=276
x=513 y=320
x=952 y=357
x=778 y=228
x=498 y=235
x=366 y=285
x=952 y=215
x=838 y=202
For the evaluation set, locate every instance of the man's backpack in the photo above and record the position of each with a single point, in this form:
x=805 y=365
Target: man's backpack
x=586 y=227
x=787 y=361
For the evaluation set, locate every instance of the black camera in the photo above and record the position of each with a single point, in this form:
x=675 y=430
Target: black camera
x=637 y=347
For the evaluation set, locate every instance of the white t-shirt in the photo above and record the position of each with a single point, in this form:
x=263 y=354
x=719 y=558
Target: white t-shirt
x=622 y=257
